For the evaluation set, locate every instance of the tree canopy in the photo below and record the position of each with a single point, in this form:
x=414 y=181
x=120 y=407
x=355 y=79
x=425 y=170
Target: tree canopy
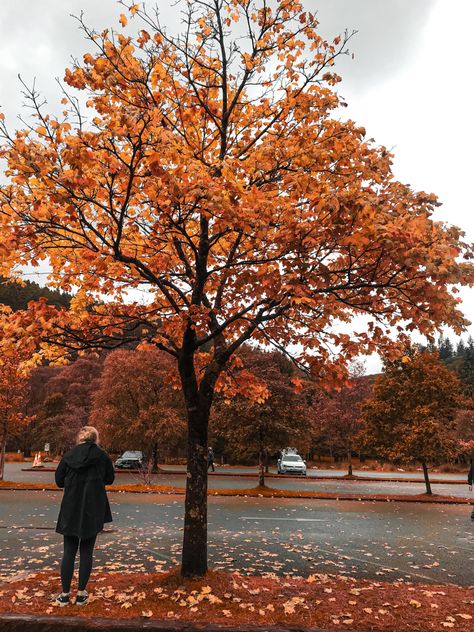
x=412 y=414
x=135 y=404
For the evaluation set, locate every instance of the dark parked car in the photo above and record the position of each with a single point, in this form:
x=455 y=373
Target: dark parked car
x=130 y=460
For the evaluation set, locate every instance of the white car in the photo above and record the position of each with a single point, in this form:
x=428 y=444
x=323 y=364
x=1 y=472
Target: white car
x=291 y=464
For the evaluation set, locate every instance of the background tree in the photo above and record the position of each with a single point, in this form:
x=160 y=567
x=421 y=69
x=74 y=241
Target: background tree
x=412 y=414
x=35 y=433
x=13 y=394
x=252 y=429
x=445 y=347
x=212 y=174
x=136 y=406
x=14 y=370
x=340 y=414
x=67 y=403
x=465 y=431
x=466 y=370
x=17 y=295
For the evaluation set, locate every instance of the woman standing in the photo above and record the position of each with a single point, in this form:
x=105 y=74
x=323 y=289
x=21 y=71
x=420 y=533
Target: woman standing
x=84 y=472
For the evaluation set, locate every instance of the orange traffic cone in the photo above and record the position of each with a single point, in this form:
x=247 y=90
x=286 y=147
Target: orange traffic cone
x=35 y=462
x=40 y=462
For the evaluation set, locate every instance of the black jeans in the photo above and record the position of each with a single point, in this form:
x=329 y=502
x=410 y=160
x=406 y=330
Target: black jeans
x=86 y=549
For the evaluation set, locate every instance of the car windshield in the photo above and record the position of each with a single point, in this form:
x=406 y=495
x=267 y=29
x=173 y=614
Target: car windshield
x=292 y=457
x=131 y=455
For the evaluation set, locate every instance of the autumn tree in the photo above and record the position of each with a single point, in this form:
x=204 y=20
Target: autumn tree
x=34 y=433
x=412 y=414
x=213 y=173
x=13 y=386
x=339 y=414
x=67 y=402
x=136 y=404
x=257 y=428
x=465 y=431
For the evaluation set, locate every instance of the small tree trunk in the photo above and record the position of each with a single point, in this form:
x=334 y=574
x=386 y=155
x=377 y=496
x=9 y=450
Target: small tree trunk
x=3 y=447
x=349 y=462
x=427 y=478
x=155 y=468
x=267 y=465
x=261 y=464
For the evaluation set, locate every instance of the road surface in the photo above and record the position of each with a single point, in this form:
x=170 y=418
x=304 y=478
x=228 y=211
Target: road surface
x=388 y=541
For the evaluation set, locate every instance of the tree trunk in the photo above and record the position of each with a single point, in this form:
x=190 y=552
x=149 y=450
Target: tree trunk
x=427 y=478
x=349 y=462
x=155 y=468
x=261 y=464
x=3 y=447
x=194 y=558
x=267 y=464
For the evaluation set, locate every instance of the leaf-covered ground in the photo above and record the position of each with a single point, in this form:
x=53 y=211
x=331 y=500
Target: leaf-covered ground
x=328 y=601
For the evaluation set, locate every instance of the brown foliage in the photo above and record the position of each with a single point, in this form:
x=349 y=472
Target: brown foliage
x=135 y=405
x=412 y=414
x=250 y=429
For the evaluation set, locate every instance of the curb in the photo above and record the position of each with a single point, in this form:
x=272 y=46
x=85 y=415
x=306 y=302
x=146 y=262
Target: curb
x=41 y=623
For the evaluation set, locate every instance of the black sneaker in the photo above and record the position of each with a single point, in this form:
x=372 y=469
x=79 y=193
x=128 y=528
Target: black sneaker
x=62 y=600
x=81 y=600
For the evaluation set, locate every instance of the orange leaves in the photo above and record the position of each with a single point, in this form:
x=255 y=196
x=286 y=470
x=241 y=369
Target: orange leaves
x=298 y=384
x=144 y=38
x=412 y=413
x=267 y=217
x=246 y=384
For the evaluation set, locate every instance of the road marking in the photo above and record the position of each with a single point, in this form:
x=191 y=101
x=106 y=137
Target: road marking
x=287 y=519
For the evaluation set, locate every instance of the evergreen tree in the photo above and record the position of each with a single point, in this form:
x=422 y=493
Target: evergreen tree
x=461 y=348
x=445 y=347
x=18 y=296
x=466 y=372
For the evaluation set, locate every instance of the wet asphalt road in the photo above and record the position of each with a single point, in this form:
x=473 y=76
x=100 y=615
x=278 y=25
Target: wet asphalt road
x=387 y=541
x=14 y=472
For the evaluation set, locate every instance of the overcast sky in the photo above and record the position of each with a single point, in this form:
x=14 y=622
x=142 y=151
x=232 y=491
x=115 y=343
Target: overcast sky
x=410 y=83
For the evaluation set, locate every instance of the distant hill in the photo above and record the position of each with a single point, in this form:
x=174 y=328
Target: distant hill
x=18 y=296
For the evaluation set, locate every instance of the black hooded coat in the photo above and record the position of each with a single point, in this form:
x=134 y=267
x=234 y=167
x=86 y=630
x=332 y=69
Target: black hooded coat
x=84 y=472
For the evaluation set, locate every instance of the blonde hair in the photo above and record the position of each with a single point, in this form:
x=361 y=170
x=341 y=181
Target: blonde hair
x=88 y=434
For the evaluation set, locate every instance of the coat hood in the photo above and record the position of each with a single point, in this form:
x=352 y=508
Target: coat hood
x=83 y=456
